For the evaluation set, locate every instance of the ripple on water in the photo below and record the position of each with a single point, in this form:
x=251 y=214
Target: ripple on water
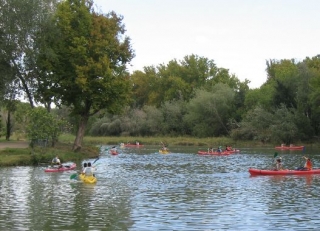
x=150 y=191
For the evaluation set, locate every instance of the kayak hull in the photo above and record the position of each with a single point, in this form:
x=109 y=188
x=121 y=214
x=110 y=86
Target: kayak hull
x=64 y=168
x=113 y=152
x=256 y=172
x=290 y=148
x=87 y=179
x=164 y=151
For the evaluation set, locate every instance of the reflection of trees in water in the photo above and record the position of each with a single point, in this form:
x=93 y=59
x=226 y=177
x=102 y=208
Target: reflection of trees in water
x=101 y=207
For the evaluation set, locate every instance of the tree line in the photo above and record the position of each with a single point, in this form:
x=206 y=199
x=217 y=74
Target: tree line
x=72 y=60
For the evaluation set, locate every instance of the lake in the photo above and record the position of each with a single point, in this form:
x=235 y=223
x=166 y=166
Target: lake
x=140 y=189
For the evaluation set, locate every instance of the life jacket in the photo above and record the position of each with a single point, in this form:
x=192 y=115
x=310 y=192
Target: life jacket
x=88 y=171
x=309 y=164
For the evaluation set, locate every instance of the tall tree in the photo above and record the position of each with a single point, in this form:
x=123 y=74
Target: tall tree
x=19 y=23
x=88 y=60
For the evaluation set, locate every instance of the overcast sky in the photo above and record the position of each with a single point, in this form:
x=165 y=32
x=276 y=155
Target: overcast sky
x=239 y=35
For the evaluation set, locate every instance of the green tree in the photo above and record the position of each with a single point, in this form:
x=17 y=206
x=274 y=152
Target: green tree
x=43 y=126
x=209 y=112
x=255 y=126
x=88 y=61
x=20 y=22
x=313 y=65
x=283 y=126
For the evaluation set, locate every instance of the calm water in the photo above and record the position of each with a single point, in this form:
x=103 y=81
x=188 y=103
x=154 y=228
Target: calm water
x=142 y=190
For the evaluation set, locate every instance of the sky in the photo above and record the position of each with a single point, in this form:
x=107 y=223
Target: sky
x=239 y=35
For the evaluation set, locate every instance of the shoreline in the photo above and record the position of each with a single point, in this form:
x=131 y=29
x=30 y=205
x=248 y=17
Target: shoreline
x=14 y=144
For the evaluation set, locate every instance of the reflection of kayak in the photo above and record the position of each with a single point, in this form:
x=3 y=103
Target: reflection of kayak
x=290 y=148
x=218 y=153
x=65 y=167
x=254 y=171
x=164 y=151
x=87 y=179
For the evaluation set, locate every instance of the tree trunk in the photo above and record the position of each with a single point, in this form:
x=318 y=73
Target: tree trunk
x=8 y=130
x=80 y=134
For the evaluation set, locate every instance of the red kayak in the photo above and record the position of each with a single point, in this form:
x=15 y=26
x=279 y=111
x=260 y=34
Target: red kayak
x=65 y=167
x=255 y=172
x=223 y=153
x=112 y=152
x=290 y=148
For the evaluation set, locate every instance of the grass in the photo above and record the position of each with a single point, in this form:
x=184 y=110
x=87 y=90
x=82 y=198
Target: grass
x=44 y=155
x=179 y=141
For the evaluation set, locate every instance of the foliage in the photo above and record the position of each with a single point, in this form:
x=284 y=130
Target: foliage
x=43 y=126
x=88 y=58
x=175 y=81
x=21 y=22
x=173 y=114
x=210 y=108
x=283 y=127
x=255 y=126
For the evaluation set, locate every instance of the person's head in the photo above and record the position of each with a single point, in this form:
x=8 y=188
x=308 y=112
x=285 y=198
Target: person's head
x=279 y=159
x=89 y=164
x=85 y=164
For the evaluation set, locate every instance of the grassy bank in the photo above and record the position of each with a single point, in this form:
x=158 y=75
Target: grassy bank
x=44 y=155
x=38 y=155
x=181 y=141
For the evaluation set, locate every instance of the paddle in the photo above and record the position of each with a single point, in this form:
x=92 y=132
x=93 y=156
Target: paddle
x=96 y=160
x=274 y=156
x=74 y=176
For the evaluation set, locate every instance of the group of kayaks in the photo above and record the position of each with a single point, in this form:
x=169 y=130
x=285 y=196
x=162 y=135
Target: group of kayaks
x=256 y=172
x=72 y=166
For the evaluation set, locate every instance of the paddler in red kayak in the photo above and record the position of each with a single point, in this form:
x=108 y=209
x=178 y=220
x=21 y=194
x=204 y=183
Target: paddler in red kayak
x=279 y=164
x=307 y=165
x=56 y=162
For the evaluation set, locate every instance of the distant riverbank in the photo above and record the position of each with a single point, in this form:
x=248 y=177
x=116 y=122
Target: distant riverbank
x=19 y=153
x=14 y=144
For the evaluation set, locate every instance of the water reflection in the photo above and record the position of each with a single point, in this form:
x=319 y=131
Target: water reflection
x=144 y=190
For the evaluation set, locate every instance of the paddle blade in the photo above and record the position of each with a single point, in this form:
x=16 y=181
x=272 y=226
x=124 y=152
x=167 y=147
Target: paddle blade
x=74 y=176
x=96 y=160
x=275 y=155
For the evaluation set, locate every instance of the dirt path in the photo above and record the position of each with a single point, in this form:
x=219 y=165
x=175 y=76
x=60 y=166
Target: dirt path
x=14 y=144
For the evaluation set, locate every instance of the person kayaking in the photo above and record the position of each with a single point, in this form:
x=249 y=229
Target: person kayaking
x=164 y=147
x=56 y=162
x=307 y=166
x=210 y=149
x=219 y=149
x=84 y=166
x=279 y=164
x=88 y=170
x=114 y=150
x=228 y=148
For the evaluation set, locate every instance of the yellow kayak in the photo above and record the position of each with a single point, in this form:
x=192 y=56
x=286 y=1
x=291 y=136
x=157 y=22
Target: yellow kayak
x=164 y=151
x=88 y=179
